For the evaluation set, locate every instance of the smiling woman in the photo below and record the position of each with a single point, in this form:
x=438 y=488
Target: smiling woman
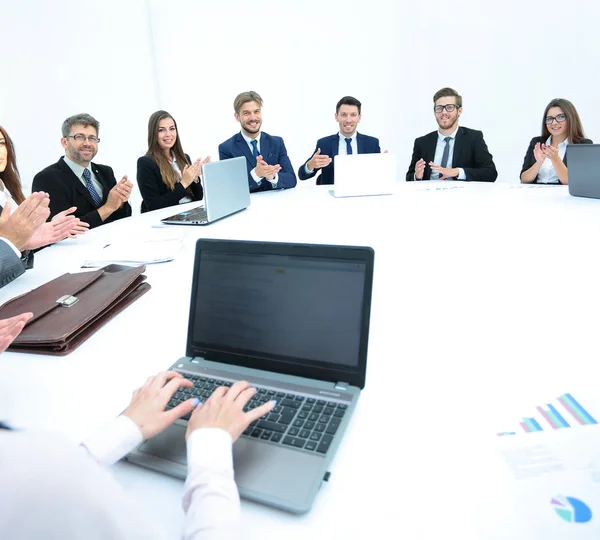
x=165 y=175
x=546 y=158
x=10 y=183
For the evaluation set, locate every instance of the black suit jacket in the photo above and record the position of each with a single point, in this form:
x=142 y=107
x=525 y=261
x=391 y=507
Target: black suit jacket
x=329 y=146
x=66 y=190
x=530 y=157
x=155 y=192
x=470 y=153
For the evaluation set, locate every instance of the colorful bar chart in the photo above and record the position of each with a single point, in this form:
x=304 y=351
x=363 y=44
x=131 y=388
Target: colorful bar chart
x=566 y=412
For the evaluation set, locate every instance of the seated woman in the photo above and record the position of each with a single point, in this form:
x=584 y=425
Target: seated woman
x=63 y=225
x=165 y=175
x=546 y=158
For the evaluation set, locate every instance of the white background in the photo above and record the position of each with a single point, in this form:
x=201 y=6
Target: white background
x=122 y=60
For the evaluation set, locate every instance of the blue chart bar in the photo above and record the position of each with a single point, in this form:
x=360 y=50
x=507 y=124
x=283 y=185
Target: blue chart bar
x=536 y=424
x=558 y=415
x=586 y=416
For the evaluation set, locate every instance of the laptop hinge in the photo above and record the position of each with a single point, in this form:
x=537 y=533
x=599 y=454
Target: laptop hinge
x=341 y=385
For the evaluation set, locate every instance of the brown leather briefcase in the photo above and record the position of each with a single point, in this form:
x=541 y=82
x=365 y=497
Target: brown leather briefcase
x=69 y=309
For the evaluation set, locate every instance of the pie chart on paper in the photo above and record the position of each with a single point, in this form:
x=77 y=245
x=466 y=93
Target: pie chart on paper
x=570 y=509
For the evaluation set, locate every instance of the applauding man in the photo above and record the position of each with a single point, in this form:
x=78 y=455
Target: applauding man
x=346 y=141
x=269 y=166
x=75 y=181
x=451 y=152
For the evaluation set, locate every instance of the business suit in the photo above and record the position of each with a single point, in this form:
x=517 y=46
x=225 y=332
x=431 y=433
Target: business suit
x=272 y=150
x=470 y=154
x=66 y=190
x=11 y=266
x=155 y=192
x=329 y=146
x=529 y=160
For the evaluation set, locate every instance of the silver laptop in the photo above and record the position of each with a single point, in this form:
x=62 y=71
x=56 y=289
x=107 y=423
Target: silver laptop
x=225 y=192
x=293 y=320
x=584 y=170
x=358 y=175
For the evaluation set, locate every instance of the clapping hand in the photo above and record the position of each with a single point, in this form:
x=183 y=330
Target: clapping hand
x=264 y=170
x=318 y=161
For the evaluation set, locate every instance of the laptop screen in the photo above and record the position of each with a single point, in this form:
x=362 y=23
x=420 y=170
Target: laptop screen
x=308 y=310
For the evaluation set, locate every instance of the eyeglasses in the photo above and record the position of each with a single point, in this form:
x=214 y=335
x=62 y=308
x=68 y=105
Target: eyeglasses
x=449 y=108
x=81 y=138
x=559 y=118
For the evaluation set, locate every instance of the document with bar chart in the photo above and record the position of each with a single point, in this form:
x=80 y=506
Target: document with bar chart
x=565 y=411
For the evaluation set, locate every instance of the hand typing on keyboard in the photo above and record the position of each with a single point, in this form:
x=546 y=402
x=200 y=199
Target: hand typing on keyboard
x=224 y=409
x=147 y=407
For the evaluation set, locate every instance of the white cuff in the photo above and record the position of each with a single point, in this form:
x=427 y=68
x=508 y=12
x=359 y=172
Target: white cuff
x=461 y=174
x=210 y=448
x=308 y=171
x=113 y=441
x=255 y=176
x=275 y=179
x=12 y=246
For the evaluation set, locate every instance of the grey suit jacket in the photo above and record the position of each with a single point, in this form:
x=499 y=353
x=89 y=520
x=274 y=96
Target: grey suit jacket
x=11 y=266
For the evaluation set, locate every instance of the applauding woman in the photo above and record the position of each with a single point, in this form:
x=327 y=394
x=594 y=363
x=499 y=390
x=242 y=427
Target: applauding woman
x=165 y=175
x=546 y=159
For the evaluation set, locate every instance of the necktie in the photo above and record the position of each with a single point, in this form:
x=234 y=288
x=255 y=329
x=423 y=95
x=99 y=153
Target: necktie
x=87 y=176
x=348 y=146
x=446 y=152
x=254 y=148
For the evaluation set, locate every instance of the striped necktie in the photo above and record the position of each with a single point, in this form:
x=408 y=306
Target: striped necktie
x=87 y=176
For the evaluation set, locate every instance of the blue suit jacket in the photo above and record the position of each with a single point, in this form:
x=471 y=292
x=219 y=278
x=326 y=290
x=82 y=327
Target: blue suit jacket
x=11 y=266
x=329 y=147
x=272 y=151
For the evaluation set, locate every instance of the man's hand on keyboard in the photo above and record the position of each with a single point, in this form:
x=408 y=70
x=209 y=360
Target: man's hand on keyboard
x=224 y=409
x=147 y=407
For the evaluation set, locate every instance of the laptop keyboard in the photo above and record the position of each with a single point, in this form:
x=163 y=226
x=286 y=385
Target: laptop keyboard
x=298 y=421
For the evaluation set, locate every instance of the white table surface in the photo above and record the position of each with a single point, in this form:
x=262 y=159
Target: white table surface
x=485 y=298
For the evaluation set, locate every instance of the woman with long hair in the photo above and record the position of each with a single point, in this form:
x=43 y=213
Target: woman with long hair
x=165 y=175
x=546 y=158
x=62 y=226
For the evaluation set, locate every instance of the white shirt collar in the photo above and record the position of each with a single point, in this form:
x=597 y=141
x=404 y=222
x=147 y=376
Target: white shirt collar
x=76 y=168
x=250 y=139
x=560 y=145
x=452 y=135
x=343 y=137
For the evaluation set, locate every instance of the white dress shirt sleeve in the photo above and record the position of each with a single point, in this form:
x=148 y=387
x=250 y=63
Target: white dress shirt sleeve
x=255 y=176
x=308 y=171
x=114 y=441
x=11 y=245
x=211 y=502
x=461 y=174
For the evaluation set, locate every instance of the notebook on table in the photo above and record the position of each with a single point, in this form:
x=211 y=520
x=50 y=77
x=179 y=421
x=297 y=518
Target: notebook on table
x=293 y=320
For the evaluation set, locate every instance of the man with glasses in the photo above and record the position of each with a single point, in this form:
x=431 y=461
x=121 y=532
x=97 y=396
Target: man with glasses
x=452 y=152
x=75 y=181
x=346 y=141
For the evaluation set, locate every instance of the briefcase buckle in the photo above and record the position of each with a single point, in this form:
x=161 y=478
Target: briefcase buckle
x=67 y=300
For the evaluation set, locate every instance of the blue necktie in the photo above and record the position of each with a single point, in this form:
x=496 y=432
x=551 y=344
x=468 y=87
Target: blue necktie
x=348 y=146
x=254 y=148
x=87 y=176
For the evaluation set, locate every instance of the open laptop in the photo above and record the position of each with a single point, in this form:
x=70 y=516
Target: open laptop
x=225 y=192
x=584 y=170
x=357 y=175
x=293 y=320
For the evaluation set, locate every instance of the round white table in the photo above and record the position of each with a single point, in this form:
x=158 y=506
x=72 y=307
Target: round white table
x=485 y=301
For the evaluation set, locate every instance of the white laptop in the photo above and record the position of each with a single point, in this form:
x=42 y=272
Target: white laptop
x=358 y=175
x=225 y=193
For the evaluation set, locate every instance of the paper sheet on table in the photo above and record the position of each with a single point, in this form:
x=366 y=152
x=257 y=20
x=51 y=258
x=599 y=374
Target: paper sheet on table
x=133 y=253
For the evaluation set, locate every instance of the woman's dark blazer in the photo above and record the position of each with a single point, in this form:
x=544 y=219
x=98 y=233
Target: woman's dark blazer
x=530 y=158
x=155 y=193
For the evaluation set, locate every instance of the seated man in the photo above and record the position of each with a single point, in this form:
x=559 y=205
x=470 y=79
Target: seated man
x=75 y=181
x=269 y=166
x=452 y=152
x=346 y=141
